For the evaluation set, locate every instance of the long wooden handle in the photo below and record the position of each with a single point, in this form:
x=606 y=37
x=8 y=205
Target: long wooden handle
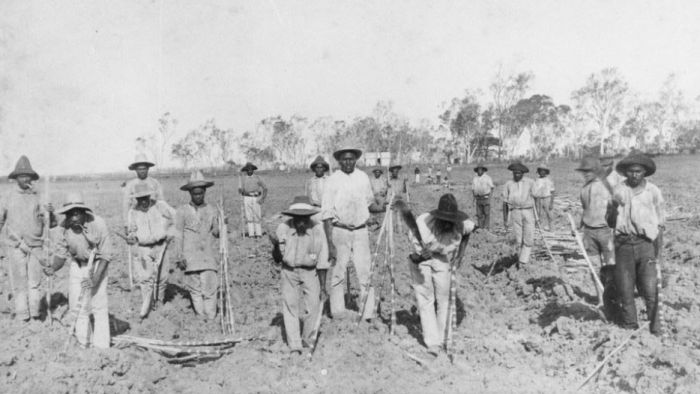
x=579 y=242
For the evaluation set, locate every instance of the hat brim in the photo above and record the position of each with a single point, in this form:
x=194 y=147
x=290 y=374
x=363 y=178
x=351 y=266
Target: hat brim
x=357 y=152
x=395 y=168
x=300 y=212
x=323 y=163
x=193 y=185
x=133 y=166
x=14 y=174
x=64 y=209
x=518 y=167
x=477 y=168
x=251 y=167
x=379 y=170
x=454 y=217
x=543 y=169
x=142 y=194
x=647 y=163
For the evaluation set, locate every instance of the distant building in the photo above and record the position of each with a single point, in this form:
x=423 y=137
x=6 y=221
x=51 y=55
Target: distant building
x=377 y=159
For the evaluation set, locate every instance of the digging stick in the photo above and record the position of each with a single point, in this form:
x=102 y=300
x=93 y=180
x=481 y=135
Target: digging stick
x=316 y=332
x=392 y=287
x=544 y=240
x=365 y=296
x=130 y=257
x=82 y=302
x=612 y=353
x=579 y=242
x=240 y=189
x=159 y=264
x=47 y=248
x=451 y=323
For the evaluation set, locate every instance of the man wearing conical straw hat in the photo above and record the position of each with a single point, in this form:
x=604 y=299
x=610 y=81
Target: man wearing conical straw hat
x=151 y=227
x=197 y=246
x=22 y=222
x=141 y=166
x=85 y=243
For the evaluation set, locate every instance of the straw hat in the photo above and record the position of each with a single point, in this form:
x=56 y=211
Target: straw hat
x=196 y=180
x=142 y=190
x=344 y=149
x=448 y=210
x=321 y=161
x=74 y=200
x=23 y=167
x=642 y=160
x=301 y=206
x=140 y=159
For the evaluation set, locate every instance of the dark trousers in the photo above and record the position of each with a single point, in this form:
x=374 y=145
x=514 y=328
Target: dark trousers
x=483 y=212
x=636 y=266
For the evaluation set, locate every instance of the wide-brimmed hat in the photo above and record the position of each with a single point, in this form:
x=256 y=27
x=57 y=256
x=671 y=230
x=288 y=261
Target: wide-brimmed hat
x=518 y=166
x=642 y=160
x=23 y=167
x=74 y=200
x=448 y=210
x=543 y=167
x=301 y=206
x=196 y=180
x=142 y=190
x=342 y=150
x=589 y=163
x=321 y=161
x=397 y=167
x=140 y=159
x=480 y=165
x=249 y=166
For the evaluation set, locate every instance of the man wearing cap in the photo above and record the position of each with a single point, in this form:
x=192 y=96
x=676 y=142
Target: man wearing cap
x=254 y=192
x=638 y=238
x=197 y=246
x=518 y=205
x=543 y=192
x=141 y=166
x=299 y=243
x=441 y=231
x=83 y=240
x=314 y=190
x=347 y=200
x=482 y=189
x=151 y=229
x=22 y=218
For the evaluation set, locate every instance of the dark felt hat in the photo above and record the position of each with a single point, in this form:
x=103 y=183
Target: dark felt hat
x=448 y=210
x=249 y=166
x=518 y=166
x=340 y=151
x=397 y=167
x=321 y=161
x=480 y=165
x=301 y=206
x=642 y=160
x=196 y=180
x=23 y=167
x=543 y=167
x=141 y=158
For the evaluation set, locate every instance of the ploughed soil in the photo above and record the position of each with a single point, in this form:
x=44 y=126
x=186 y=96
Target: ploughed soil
x=530 y=330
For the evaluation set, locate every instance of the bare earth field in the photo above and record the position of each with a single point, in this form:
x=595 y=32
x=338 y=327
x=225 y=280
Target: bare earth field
x=527 y=331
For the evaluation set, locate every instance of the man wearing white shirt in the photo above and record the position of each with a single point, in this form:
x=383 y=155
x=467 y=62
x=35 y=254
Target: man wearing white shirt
x=345 y=210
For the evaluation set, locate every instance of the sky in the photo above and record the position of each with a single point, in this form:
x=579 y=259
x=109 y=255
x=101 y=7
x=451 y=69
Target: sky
x=81 y=80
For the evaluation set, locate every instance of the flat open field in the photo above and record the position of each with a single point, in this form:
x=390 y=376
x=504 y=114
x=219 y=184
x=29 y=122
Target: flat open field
x=531 y=330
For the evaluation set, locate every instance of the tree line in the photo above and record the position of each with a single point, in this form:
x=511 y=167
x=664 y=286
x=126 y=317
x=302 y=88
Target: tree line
x=605 y=116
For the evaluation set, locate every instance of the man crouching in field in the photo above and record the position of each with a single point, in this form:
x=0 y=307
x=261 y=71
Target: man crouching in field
x=151 y=229
x=197 y=246
x=83 y=240
x=299 y=246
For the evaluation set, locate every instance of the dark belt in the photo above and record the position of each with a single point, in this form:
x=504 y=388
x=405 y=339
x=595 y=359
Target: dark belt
x=290 y=268
x=587 y=227
x=152 y=244
x=518 y=209
x=345 y=226
x=631 y=238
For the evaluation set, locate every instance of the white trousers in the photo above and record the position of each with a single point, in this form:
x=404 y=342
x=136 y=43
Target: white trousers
x=94 y=302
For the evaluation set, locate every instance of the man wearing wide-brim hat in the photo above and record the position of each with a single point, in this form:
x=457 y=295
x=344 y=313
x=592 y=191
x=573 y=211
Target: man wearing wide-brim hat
x=141 y=166
x=314 y=190
x=518 y=205
x=346 y=204
x=639 y=225
x=482 y=191
x=544 y=192
x=300 y=246
x=83 y=241
x=152 y=225
x=197 y=245
x=21 y=218
x=254 y=192
x=441 y=231
x=595 y=201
